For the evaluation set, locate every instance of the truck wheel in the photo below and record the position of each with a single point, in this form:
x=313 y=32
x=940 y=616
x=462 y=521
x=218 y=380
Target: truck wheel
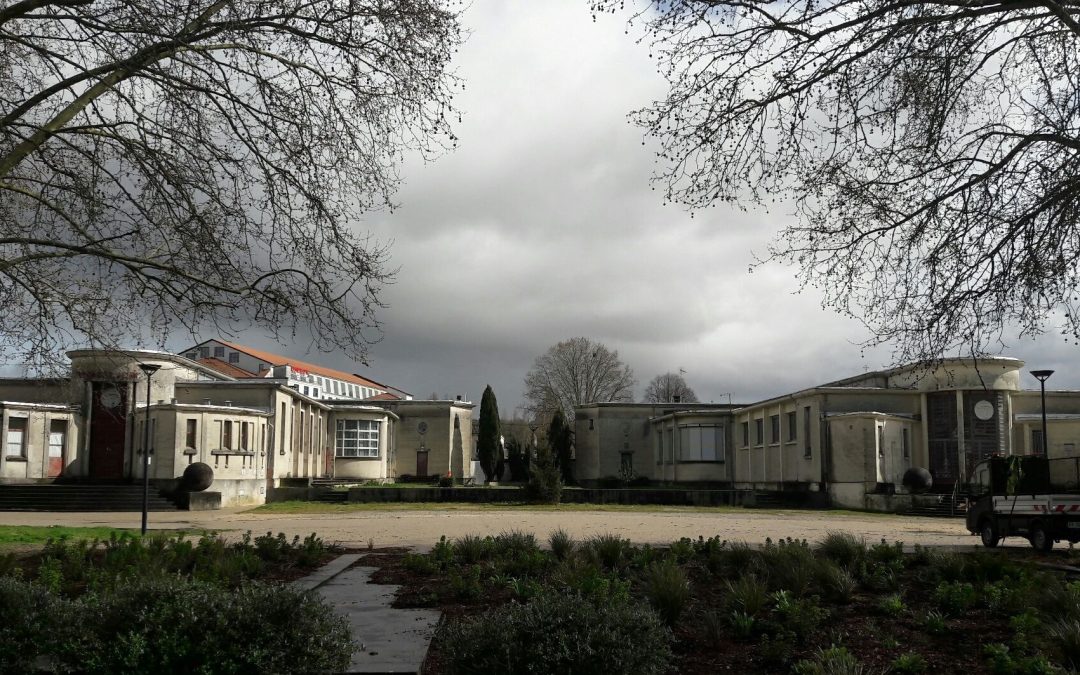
x=989 y=533
x=1040 y=539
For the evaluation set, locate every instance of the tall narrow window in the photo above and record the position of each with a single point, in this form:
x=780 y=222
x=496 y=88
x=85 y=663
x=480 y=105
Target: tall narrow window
x=774 y=429
x=191 y=434
x=746 y=434
x=245 y=436
x=16 y=437
x=792 y=427
x=281 y=433
x=808 y=451
x=226 y=435
x=759 y=431
x=905 y=442
x=881 y=440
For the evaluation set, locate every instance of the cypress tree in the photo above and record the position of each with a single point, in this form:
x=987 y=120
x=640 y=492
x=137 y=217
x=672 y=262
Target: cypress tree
x=561 y=440
x=488 y=447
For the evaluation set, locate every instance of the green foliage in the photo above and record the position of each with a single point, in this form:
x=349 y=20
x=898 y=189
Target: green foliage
x=465 y=585
x=885 y=552
x=472 y=549
x=515 y=542
x=589 y=581
x=837 y=584
x=31 y=621
x=682 y=550
x=1002 y=661
x=831 y=661
x=562 y=544
x=955 y=597
x=747 y=594
x=844 y=549
x=742 y=624
x=608 y=550
x=667 y=590
x=713 y=628
x=545 y=484
x=418 y=563
x=517 y=459
x=557 y=633
x=910 y=663
x=892 y=605
x=1063 y=637
x=525 y=589
x=798 y=616
x=934 y=622
x=488 y=440
x=560 y=438
x=170 y=625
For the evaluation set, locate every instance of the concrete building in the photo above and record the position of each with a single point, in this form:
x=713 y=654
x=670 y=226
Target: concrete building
x=254 y=432
x=851 y=439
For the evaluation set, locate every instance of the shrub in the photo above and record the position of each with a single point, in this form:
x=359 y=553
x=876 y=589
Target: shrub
x=910 y=663
x=514 y=542
x=1002 y=662
x=466 y=585
x=747 y=594
x=944 y=566
x=561 y=543
x=589 y=581
x=682 y=550
x=843 y=548
x=742 y=624
x=831 y=661
x=525 y=589
x=955 y=597
x=558 y=633
x=892 y=605
x=173 y=625
x=608 y=550
x=799 y=616
x=418 y=563
x=713 y=628
x=667 y=590
x=885 y=552
x=472 y=549
x=1064 y=639
x=934 y=623
x=545 y=482
x=836 y=582
x=30 y=617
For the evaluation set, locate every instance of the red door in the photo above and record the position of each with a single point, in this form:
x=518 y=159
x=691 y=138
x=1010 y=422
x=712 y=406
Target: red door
x=108 y=429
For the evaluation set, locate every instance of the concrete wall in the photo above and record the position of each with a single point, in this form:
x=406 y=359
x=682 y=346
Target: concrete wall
x=430 y=425
x=31 y=463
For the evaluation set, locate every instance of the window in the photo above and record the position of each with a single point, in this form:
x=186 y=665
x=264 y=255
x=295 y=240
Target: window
x=16 y=437
x=1036 y=442
x=746 y=434
x=905 y=442
x=792 y=427
x=759 y=431
x=262 y=367
x=226 y=435
x=281 y=436
x=245 y=436
x=204 y=352
x=881 y=440
x=357 y=438
x=591 y=426
x=192 y=355
x=808 y=452
x=774 y=428
x=219 y=352
x=191 y=434
x=234 y=357
x=315 y=392
x=305 y=390
x=701 y=444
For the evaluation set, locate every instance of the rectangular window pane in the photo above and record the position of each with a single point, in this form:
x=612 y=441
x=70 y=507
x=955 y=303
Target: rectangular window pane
x=745 y=434
x=190 y=433
x=774 y=428
x=226 y=436
x=16 y=436
x=791 y=426
x=759 y=429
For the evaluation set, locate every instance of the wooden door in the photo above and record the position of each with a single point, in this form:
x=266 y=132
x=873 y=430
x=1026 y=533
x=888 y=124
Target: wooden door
x=421 y=463
x=57 y=447
x=108 y=429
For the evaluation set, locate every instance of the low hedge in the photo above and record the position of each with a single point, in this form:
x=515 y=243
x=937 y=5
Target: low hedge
x=171 y=625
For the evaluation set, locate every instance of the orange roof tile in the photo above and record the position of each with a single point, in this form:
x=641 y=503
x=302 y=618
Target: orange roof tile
x=225 y=368
x=385 y=396
x=279 y=360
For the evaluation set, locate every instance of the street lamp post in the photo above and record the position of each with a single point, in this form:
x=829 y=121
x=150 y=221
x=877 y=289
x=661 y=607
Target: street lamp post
x=149 y=369
x=1042 y=376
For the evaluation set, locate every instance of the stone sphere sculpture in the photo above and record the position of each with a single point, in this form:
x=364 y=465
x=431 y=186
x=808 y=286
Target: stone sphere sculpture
x=918 y=479
x=197 y=477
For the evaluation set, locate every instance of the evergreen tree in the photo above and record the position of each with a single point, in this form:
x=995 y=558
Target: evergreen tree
x=561 y=441
x=544 y=486
x=488 y=447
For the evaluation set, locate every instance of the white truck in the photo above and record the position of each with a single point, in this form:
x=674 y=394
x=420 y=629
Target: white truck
x=1012 y=496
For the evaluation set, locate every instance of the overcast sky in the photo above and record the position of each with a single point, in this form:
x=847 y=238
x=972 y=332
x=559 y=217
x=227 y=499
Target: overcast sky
x=542 y=226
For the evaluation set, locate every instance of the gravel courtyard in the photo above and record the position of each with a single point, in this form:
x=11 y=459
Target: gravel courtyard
x=422 y=528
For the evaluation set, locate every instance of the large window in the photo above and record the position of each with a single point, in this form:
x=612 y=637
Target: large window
x=774 y=429
x=16 y=437
x=701 y=444
x=357 y=438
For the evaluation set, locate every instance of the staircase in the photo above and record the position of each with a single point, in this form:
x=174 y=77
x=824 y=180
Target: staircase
x=80 y=497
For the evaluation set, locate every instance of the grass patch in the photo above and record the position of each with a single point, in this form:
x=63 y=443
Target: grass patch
x=23 y=535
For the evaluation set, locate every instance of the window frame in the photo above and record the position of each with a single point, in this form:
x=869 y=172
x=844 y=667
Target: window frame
x=774 y=429
x=24 y=433
x=365 y=431
x=792 y=417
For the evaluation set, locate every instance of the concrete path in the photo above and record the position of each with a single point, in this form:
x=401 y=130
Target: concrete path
x=391 y=640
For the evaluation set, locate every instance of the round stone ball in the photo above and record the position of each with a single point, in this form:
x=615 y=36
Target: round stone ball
x=197 y=477
x=918 y=479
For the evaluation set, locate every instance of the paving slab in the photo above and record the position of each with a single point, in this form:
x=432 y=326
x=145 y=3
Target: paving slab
x=391 y=640
x=327 y=571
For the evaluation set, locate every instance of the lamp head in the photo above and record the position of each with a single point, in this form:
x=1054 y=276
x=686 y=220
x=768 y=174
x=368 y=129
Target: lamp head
x=1042 y=375
x=149 y=368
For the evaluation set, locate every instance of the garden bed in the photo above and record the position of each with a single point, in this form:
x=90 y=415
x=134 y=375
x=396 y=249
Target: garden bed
x=726 y=607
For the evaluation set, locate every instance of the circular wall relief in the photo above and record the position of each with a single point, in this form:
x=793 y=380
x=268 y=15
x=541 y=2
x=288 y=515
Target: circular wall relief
x=984 y=410
x=421 y=428
x=110 y=398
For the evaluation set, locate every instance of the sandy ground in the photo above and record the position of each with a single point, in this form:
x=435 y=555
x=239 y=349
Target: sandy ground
x=421 y=529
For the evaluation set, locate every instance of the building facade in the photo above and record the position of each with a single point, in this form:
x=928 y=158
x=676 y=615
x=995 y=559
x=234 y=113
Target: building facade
x=852 y=439
x=254 y=432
